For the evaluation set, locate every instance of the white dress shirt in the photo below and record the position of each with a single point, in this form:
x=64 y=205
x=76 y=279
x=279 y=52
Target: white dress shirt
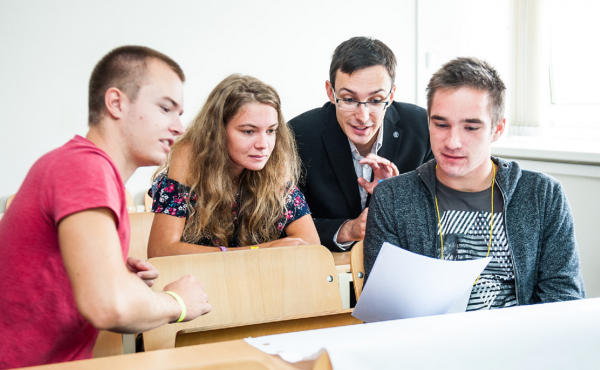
x=362 y=170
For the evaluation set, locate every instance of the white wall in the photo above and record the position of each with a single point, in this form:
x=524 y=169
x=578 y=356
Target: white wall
x=464 y=28
x=49 y=48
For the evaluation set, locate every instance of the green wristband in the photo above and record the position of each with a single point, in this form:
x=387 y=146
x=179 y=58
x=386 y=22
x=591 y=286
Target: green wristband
x=178 y=298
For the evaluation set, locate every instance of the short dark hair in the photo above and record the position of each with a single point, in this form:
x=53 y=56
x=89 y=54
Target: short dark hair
x=361 y=52
x=473 y=73
x=123 y=68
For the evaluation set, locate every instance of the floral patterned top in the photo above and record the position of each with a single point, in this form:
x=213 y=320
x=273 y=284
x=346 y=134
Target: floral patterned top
x=170 y=197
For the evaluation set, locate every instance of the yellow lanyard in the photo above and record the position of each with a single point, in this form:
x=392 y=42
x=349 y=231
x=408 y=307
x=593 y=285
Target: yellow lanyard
x=491 y=226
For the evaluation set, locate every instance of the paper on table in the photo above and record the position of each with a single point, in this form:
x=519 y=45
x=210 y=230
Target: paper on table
x=403 y=284
x=407 y=344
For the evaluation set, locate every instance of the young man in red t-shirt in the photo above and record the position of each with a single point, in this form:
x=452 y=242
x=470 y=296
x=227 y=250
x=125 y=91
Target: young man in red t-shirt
x=64 y=271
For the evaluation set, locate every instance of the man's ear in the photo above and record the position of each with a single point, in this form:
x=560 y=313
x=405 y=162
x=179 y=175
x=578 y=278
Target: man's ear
x=329 y=90
x=499 y=129
x=392 y=94
x=115 y=101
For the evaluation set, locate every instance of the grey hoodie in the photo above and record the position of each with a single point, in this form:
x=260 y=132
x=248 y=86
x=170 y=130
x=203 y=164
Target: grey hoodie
x=538 y=219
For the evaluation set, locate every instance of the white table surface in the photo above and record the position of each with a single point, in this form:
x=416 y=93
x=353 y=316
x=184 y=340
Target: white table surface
x=564 y=335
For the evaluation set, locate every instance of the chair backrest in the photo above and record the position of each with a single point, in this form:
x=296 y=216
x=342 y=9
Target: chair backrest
x=147 y=203
x=140 y=223
x=9 y=201
x=108 y=344
x=129 y=200
x=357 y=267
x=251 y=285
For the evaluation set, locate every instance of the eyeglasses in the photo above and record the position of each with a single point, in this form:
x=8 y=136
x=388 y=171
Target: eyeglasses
x=352 y=105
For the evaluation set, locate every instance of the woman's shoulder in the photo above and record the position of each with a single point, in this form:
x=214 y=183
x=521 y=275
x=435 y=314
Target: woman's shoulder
x=170 y=196
x=180 y=163
x=295 y=206
x=292 y=188
x=295 y=197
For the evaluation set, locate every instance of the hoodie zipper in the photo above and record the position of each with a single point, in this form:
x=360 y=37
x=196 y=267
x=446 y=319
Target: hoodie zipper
x=508 y=239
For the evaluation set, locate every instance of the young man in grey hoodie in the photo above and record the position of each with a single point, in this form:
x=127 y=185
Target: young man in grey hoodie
x=444 y=208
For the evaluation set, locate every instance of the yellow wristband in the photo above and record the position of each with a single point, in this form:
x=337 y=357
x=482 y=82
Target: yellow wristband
x=253 y=247
x=178 y=299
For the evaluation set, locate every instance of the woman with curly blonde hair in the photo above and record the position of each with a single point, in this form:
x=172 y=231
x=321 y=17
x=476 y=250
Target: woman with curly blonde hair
x=230 y=181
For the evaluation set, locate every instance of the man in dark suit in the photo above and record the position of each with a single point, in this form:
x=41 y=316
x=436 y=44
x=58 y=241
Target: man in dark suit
x=357 y=139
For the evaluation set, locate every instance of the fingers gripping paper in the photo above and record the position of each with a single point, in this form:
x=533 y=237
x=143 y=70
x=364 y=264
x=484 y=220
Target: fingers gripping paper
x=403 y=284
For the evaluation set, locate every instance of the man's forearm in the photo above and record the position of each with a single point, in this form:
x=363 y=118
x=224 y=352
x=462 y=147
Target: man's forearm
x=343 y=235
x=343 y=245
x=107 y=294
x=142 y=312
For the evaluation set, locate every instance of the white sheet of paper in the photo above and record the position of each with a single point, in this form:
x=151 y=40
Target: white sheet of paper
x=461 y=304
x=547 y=336
x=403 y=285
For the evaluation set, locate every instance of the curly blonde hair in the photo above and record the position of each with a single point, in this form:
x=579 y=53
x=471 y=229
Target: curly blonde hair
x=262 y=193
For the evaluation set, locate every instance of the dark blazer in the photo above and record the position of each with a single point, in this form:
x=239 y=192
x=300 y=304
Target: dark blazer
x=330 y=184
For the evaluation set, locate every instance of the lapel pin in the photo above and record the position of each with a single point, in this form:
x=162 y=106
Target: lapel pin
x=396 y=134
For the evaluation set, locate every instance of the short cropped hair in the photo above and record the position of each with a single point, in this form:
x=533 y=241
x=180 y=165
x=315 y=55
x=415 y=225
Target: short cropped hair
x=473 y=73
x=124 y=68
x=361 y=52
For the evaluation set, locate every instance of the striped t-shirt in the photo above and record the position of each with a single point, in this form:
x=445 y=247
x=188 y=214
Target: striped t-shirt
x=465 y=220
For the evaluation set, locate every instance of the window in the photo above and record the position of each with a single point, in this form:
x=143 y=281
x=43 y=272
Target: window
x=558 y=70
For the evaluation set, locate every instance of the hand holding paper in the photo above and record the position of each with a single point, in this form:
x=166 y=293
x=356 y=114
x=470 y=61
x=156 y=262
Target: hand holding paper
x=403 y=284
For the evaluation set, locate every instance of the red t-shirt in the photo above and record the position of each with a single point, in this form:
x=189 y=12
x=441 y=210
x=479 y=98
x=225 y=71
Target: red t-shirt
x=39 y=321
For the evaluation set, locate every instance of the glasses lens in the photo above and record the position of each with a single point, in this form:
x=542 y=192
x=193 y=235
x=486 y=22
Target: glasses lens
x=347 y=105
x=376 y=107
x=353 y=105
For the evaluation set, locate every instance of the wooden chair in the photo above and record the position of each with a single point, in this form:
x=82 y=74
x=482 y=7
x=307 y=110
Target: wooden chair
x=342 y=261
x=9 y=201
x=252 y=287
x=140 y=223
x=147 y=203
x=129 y=200
x=108 y=344
x=342 y=266
x=357 y=267
x=222 y=333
